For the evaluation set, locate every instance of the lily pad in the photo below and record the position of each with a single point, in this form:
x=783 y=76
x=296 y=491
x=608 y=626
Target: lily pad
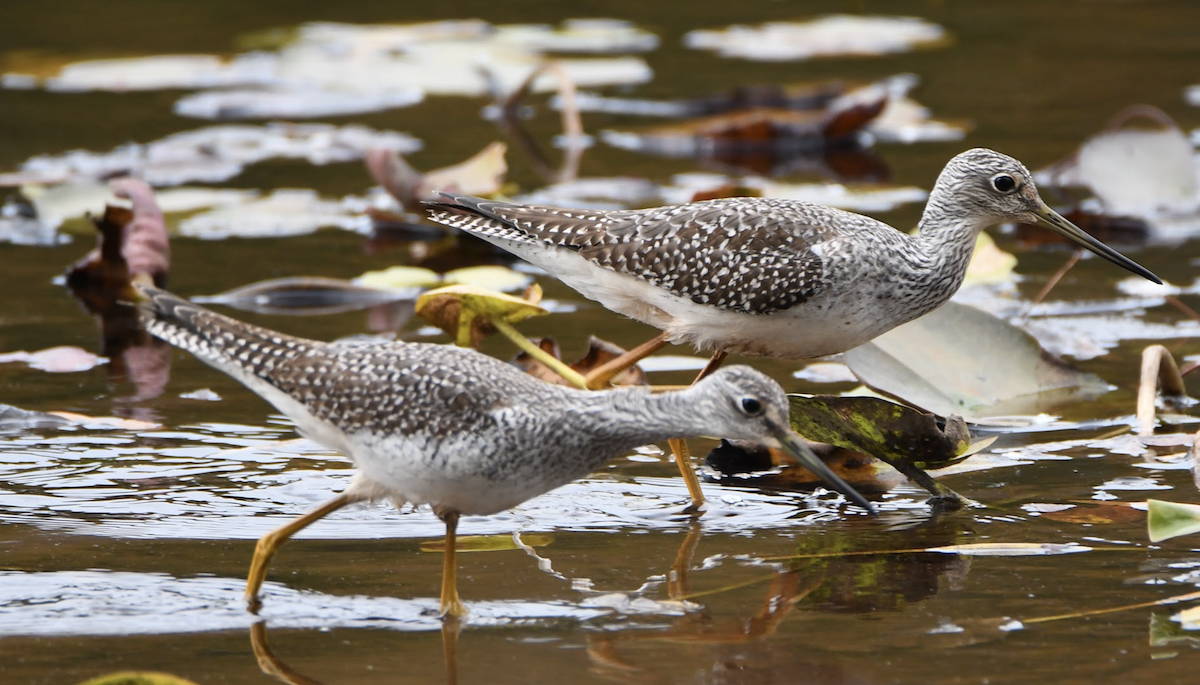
x=399 y=278
x=825 y=37
x=958 y=360
x=212 y=154
x=1168 y=520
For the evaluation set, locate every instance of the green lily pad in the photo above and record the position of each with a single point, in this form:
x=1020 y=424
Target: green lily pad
x=1168 y=520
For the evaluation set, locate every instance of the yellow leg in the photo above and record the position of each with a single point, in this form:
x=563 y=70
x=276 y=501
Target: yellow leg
x=270 y=543
x=683 y=457
x=602 y=375
x=452 y=606
x=451 y=625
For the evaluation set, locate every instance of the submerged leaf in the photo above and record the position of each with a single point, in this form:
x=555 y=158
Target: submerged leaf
x=490 y=543
x=1168 y=520
x=306 y=295
x=935 y=363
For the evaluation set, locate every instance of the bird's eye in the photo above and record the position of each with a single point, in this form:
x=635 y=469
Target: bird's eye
x=1004 y=183
x=751 y=406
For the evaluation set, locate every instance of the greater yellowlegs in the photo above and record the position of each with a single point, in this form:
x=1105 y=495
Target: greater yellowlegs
x=769 y=277
x=456 y=429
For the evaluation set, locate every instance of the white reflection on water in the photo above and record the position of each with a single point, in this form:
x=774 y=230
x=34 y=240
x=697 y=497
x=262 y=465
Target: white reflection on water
x=123 y=603
x=240 y=482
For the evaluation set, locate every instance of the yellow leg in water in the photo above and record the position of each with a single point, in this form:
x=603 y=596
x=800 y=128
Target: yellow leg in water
x=683 y=457
x=270 y=543
x=452 y=606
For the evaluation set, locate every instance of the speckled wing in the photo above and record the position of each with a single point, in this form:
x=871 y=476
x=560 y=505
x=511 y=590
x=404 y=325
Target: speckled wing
x=398 y=388
x=746 y=255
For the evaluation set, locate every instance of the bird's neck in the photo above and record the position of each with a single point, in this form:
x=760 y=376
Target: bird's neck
x=946 y=236
x=638 y=417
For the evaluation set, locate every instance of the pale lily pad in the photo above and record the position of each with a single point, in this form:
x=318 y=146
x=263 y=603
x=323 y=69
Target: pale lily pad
x=856 y=198
x=492 y=277
x=825 y=37
x=989 y=264
x=163 y=72
x=958 y=360
x=212 y=154
x=285 y=212
x=398 y=278
x=1168 y=520
x=63 y=359
x=291 y=103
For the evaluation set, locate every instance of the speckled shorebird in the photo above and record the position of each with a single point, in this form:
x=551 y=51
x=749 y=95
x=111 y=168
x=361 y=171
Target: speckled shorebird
x=769 y=277
x=456 y=429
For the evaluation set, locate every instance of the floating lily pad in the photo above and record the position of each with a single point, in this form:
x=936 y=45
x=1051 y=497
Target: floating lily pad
x=290 y=103
x=399 y=278
x=825 y=37
x=285 y=212
x=958 y=360
x=62 y=359
x=212 y=154
x=1166 y=520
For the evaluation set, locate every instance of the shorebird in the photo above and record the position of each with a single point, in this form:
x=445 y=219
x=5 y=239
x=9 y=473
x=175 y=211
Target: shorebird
x=768 y=277
x=454 y=428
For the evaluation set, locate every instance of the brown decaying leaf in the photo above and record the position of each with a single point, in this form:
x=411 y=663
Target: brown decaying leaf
x=131 y=244
x=1105 y=512
x=599 y=352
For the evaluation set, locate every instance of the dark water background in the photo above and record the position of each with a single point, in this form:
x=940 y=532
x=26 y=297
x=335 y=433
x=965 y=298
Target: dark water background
x=106 y=533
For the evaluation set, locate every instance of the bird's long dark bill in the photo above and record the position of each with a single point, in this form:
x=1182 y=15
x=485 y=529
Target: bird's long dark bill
x=1054 y=221
x=794 y=446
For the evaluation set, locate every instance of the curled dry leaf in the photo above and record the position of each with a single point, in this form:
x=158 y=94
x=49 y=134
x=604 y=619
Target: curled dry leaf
x=469 y=314
x=482 y=174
